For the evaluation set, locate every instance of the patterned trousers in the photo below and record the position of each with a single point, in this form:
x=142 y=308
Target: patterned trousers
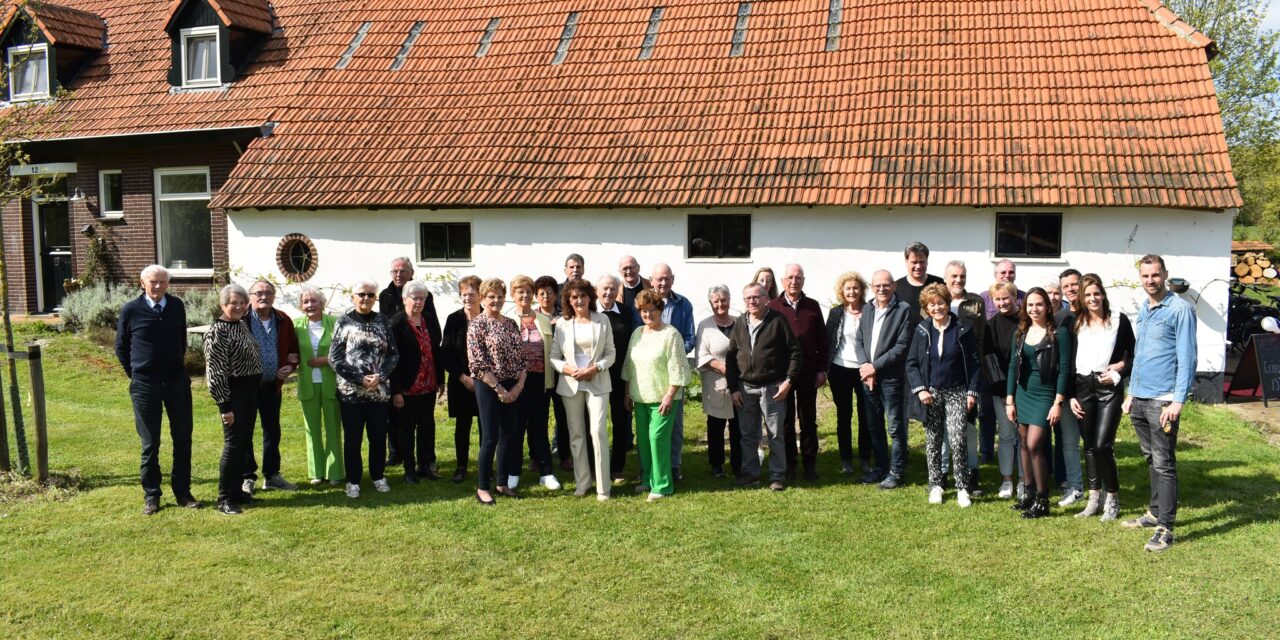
x=946 y=418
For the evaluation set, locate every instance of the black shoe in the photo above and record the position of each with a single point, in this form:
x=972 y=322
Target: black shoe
x=871 y=477
x=717 y=472
x=429 y=473
x=507 y=492
x=746 y=482
x=245 y=498
x=459 y=475
x=811 y=474
x=411 y=478
x=1039 y=508
x=1028 y=498
x=488 y=503
x=975 y=490
x=189 y=501
x=150 y=506
x=676 y=475
x=791 y=473
x=227 y=507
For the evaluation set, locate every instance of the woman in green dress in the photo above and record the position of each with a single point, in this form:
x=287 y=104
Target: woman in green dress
x=1038 y=372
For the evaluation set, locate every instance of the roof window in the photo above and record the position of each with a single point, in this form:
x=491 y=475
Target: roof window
x=834 y=11
x=361 y=32
x=28 y=72
x=566 y=36
x=740 y=30
x=403 y=54
x=486 y=40
x=651 y=33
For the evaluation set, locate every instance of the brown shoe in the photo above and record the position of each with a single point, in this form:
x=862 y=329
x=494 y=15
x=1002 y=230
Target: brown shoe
x=777 y=486
x=189 y=502
x=151 y=506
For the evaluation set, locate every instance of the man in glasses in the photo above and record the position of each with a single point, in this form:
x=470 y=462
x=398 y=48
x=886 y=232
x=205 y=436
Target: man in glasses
x=881 y=344
x=391 y=302
x=278 y=350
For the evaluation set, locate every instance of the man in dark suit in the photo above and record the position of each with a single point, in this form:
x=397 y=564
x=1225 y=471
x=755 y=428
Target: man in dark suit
x=884 y=336
x=808 y=324
x=151 y=342
x=391 y=302
x=622 y=322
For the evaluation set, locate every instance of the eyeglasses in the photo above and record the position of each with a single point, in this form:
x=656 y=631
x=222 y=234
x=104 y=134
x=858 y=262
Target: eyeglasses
x=418 y=298
x=366 y=294
x=262 y=294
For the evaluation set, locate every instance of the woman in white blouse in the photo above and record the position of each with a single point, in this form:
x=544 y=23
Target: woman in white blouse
x=842 y=327
x=712 y=336
x=1103 y=352
x=582 y=351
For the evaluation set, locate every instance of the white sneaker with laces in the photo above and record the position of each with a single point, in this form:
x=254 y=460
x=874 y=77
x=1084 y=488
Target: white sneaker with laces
x=1006 y=490
x=935 y=495
x=1070 y=497
x=353 y=490
x=962 y=498
x=550 y=482
x=381 y=485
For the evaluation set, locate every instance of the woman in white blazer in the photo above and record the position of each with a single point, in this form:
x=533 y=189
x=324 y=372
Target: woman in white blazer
x=582 y=351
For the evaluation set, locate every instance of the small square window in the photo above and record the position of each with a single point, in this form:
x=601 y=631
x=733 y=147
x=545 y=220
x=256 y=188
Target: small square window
x=200 y=57
x=719 y=236
x=110 y=193
x=1029 y=235
x=444 y=242
x=28 y=72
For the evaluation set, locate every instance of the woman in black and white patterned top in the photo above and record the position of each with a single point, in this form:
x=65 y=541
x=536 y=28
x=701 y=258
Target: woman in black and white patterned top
x=363 y=355
x=233 y=371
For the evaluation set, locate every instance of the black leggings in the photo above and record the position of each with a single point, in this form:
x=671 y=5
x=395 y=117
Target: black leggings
x=715 y=443
x=1102 y=408
x=846 y=385
x=237 y=436
x=498 y=433
x=1035 y=445
x=462 y=439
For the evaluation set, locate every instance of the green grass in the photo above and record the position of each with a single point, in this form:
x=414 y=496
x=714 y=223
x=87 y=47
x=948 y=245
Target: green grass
x=830 y=560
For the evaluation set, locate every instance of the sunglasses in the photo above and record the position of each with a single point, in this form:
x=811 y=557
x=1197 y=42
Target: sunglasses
x=366 y=294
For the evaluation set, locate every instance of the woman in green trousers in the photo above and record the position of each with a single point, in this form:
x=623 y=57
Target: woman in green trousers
x=317 y=389
x=656 y=372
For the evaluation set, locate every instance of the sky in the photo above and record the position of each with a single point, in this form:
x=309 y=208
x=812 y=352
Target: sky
x=1272 y=21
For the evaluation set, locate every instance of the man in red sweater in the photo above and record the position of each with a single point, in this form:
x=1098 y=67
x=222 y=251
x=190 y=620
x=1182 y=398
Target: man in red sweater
x=809 y=325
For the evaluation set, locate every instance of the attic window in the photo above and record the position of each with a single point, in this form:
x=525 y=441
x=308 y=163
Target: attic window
x=28 y=72
x=200 y=64
x=403 y=54
x=651 y=33
x=345 y=58
x=566 y=36
x=487 y=39
x=740 y=29
x=834 y=11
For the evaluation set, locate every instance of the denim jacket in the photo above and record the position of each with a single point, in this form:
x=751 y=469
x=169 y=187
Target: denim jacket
x=1164 y=360
x=678 y=313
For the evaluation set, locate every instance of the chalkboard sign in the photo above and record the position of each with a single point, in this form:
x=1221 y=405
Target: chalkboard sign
x=1259 y=367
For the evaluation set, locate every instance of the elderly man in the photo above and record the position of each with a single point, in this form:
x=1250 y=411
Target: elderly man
x=622 y=321
x=632 y=283
x=1164 y=368
x=763 y=362
x=151 y=340
x=678 y=313
x=277 y=342
x=969 y=308
x=1006 y=271
x=908 y=287
x=391 y=302
x=884 y=335
x=810 y=328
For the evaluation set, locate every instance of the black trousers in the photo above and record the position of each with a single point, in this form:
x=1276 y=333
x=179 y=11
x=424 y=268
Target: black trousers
x=532 y=420
x=237 y=437
x=151 y=399
x=715 y=443
x=622 y=439
x=269 y=414
x=561 y=440
x=846 y=386
x=417 y=432
x=462 y=440
x=802 y=404
x=393 y=433
x=498 y=432
x=1102 y=406
x=359 y=419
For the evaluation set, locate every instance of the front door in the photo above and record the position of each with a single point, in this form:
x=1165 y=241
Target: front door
x=55 y=251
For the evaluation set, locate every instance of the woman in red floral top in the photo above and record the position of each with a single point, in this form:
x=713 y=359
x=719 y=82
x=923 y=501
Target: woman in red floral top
x=498 y=363
x=415 y=384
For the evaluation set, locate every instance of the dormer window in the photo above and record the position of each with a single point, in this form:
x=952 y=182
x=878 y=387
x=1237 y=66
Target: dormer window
x=28 y=72
x=200 y=63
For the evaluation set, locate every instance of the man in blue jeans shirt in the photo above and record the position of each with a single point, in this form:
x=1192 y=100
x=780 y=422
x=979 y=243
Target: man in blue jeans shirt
x=1164 y=366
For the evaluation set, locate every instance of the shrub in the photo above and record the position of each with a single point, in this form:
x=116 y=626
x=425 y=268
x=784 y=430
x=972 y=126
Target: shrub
x=97 y=306
x=202 y=306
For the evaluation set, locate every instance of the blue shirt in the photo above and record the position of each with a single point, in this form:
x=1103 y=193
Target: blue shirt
x=267 y=338
x=1164 y=359
x=678 y=313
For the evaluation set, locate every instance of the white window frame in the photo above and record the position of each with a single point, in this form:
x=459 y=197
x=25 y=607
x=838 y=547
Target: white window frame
x=28 y=49
x=186 y=34
x=436 y=219
x=160 y=197
x=103 y=212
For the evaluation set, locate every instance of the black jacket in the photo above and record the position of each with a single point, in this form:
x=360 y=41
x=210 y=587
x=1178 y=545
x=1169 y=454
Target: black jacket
x=406 y=371
x=623 y=324
x=835 y=326
x=391 y=302
x=999 y=336
x=1053 y=358
x=151 y=346
x=890 y=357
x=776 y=355
x=918 y=361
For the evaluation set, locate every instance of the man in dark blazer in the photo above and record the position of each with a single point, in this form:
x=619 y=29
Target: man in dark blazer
x=632 y=284
x=622 y=321
x=391 y=302
x=809 y=326
x=151 y=342
x=884 y=336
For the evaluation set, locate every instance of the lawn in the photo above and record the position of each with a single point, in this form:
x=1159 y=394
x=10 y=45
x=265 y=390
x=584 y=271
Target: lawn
x=823 y=560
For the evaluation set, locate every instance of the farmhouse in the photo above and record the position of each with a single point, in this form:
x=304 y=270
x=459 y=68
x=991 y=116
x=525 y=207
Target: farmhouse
x=316 y=140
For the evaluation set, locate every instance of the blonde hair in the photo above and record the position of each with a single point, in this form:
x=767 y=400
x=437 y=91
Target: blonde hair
x=933 y=292
x=844 y=278
x=492 y=284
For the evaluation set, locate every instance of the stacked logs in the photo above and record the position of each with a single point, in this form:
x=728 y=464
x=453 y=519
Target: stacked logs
x=1253 y=267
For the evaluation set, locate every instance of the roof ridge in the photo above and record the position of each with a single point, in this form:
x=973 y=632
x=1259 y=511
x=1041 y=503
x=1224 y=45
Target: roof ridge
x=1171 y=21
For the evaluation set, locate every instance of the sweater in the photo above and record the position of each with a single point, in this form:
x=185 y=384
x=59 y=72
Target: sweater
x=774 y=357
x=810 y=328
x=229 y=352
x=150 y=346
x=362 y=344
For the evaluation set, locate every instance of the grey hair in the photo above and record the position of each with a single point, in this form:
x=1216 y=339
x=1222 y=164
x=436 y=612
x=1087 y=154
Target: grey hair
x=265 y=281
x=959 y=264
x=1053 y=283
x=414 y=286
x=720 y=289
x=224 y=296
x=753 y=285
x=360 y=284
x=313 y=291
x=608 y=276
x=153 y=268
x=404 y=259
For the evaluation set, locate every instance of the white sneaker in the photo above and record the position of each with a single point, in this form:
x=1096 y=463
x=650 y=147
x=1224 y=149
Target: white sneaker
x=353 y=490
x=550 y=482
x=962 y=498
x=935 y=495
x=601 y=497
x=513 y=482
x=1070 y=497
x=247 y=487
x=381 y=485
x=1022 y=491
x=1006 y=490
x=654 y=497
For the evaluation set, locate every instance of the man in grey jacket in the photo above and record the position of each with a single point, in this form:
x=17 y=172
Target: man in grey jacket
x=881 y=344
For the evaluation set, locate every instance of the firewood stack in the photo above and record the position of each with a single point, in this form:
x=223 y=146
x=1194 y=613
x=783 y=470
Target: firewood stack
x=1251 y=264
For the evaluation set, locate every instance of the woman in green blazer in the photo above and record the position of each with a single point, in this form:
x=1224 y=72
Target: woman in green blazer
x=317 y=389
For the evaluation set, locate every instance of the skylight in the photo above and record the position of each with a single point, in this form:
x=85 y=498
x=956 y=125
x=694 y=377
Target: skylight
x=403 y=54
x=651 y=33
x=487 y=39
x=740 y=29
x=361 y=32
x=566 y=36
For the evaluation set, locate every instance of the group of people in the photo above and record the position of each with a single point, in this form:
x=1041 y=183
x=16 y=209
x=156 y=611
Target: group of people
x=1048 y=365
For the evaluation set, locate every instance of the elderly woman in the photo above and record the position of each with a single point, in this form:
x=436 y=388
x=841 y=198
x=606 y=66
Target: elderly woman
x=318 y=388
x=582 y=352
x=233 y=371
x=531 y=406
x=498 y=364
x=363 y=354
x=461 y=387
x=1000 y=331
x=942 y=369
x=417 y=381
x=842 y=372
x=547 y=293
x=657 y=372
x=765 y=278
x=711 y=344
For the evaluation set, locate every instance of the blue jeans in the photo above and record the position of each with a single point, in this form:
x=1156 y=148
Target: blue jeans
x=885 y=408
x=1068 y=433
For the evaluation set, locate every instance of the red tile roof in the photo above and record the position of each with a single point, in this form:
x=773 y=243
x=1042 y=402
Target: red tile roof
x=61 y=26
x=973 y=103
x=250 y=15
